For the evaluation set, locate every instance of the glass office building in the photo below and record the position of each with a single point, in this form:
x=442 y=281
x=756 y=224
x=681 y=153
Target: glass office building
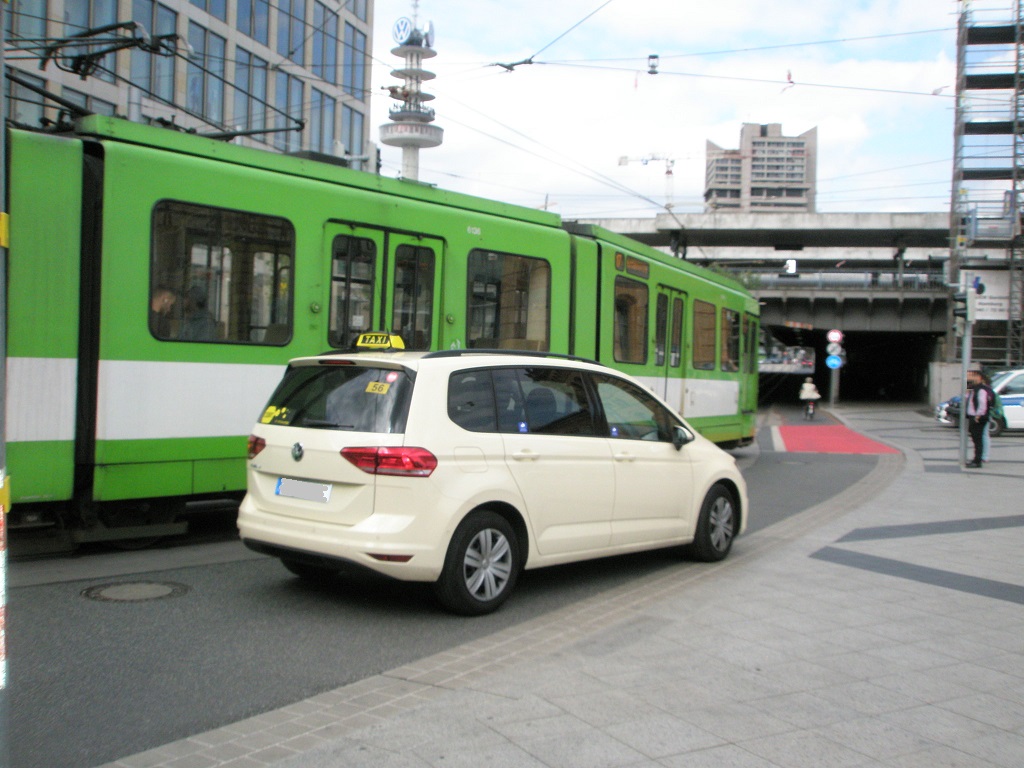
x=240 y=65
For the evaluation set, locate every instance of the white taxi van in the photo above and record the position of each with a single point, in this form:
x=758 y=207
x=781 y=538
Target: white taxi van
x=462 y=468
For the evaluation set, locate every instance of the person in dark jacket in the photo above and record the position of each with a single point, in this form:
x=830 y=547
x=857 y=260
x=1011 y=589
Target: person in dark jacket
x=979 y=403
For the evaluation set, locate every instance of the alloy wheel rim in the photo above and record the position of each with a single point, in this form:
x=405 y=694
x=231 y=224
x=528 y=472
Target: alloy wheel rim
x=487 y=565
x=721 y=523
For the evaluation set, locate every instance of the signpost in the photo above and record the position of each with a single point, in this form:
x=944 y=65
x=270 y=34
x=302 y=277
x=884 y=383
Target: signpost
x=836 y=359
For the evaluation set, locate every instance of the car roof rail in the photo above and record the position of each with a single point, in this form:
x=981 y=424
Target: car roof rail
x=509 y=353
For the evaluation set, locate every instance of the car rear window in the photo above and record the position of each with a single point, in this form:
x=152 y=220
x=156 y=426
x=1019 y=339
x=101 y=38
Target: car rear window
x=347 y=397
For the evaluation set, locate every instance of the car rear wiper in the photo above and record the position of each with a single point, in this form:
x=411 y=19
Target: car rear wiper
x=321 y=424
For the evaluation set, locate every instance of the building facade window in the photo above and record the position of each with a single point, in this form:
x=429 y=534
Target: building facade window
x=250 y=91
x=291 y=29
x=354 y=72
x=358 y=8
x=154 y=74
x=24 y=106
x=352 y=133
x=27 y=19
x=91 y=103
x=205 y=73
x=325 y=43
x=287 y=99
x=322 y=111
x=254 y=20
x=216 y=8
x=87 y=14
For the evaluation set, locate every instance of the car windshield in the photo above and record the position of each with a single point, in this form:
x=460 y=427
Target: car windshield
x=348 y=397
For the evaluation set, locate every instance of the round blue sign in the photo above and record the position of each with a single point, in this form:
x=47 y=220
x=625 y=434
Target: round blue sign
x=834 y=361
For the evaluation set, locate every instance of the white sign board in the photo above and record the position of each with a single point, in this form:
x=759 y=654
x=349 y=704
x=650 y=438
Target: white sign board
x=994 y=303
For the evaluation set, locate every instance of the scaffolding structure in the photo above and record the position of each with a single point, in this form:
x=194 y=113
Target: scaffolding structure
x=988 y=170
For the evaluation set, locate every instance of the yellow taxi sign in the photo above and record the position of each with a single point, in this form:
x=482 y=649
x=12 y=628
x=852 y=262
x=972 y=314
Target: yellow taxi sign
x=380 y=341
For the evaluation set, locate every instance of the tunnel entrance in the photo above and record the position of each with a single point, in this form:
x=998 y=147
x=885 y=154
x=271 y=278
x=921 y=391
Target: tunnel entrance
x=880 y=366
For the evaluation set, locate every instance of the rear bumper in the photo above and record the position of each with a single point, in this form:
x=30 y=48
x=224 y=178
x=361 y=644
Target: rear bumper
x=337 y=545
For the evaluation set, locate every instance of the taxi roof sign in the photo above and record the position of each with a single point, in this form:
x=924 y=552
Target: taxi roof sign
x=380 y=341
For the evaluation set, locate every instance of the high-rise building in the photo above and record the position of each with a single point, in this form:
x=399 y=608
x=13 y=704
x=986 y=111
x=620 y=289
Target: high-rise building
x=216 y=66
x=768 y=173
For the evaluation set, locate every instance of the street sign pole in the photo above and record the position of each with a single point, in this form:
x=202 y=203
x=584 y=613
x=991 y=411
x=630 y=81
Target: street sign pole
x=835 y=360
x=5 y=483
x=966 y=352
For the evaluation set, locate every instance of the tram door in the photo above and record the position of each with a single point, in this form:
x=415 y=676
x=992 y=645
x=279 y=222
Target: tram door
x=748 y=366
x=413 y=300
x=668 y=345
x=382 y=281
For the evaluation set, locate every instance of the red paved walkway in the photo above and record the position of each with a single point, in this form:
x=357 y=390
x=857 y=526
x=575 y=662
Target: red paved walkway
x=828 y=438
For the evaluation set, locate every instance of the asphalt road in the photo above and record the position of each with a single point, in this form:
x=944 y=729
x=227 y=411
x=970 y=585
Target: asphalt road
x=94 y=680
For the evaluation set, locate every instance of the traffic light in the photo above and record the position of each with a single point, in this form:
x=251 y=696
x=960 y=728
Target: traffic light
x=965 y=305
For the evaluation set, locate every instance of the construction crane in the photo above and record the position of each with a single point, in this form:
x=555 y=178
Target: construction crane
x=669 y=165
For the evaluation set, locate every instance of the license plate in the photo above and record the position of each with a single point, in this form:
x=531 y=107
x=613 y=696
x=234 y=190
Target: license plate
x=303 y=489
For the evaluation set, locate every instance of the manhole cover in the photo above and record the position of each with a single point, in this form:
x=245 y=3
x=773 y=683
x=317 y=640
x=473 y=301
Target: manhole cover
x=135 y=591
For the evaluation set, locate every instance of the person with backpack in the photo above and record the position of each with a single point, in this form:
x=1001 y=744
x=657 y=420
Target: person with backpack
x=995 y=411
x=978 y=404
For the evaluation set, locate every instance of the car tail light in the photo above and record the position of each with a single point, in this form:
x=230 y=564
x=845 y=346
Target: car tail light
x=404 y=462
x=256 y=444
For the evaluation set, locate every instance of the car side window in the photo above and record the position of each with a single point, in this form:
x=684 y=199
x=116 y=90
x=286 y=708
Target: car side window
x=631 y=412
x=471 y=401
x=547 y=401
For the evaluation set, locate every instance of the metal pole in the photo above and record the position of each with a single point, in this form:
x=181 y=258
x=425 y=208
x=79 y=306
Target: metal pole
x=833 y=387
x=5 y=487
x=965 y=353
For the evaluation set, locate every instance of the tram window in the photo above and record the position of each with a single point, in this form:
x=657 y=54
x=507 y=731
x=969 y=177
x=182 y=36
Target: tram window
x=704 y=339
x=660 y=329
x=631 y=304
x=508 y=301
x=219 y=275
x=414 y=296
x=730 y=340
x=353 y=265
x=675 y=350
x=750 y=337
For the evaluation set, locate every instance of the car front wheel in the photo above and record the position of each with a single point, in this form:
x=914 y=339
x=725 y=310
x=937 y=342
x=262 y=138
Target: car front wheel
x=481 y=567
x=995 y=427
x=716 y=526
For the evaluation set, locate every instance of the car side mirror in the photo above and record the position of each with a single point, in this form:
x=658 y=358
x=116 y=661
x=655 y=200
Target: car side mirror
x=681 y=436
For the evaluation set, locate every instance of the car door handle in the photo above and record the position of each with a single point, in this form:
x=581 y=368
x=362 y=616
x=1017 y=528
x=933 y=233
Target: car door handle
x=624 y=457
x=525 y=456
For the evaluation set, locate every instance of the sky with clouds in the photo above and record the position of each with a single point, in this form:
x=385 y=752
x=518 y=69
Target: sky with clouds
x=875 y=77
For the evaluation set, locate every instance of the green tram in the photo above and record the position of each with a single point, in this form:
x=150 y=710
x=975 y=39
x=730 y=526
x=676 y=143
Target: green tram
x=159 y=281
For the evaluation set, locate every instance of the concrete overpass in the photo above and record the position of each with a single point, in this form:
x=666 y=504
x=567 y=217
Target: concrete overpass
x=786 y=231
x=880 y=277
x=860 y=271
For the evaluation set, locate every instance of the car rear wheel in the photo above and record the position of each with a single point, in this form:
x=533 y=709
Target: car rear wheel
x=481 y=566
x=995 y=427
x=716 y=526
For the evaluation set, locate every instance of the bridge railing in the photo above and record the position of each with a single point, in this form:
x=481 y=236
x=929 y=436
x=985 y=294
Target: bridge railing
x=839 y=282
